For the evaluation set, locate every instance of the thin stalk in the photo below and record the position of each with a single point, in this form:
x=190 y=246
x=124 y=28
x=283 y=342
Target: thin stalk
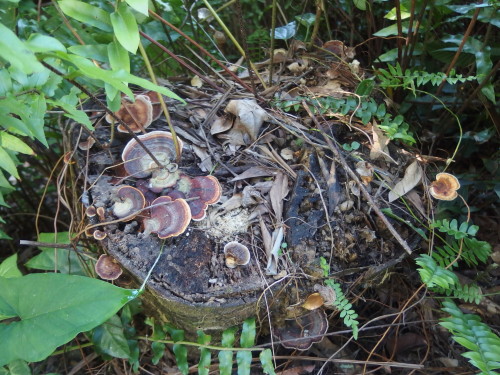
x=162 y=103
x=273 y=27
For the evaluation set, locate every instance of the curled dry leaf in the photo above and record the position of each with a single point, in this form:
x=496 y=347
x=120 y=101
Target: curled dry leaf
x=278 y=193
x=196 y=82
x=365 y=171
x=249 y=119
x=379 y=148
x=412 y=177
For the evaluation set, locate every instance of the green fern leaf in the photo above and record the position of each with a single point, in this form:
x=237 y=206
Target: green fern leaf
x=471 y=333
x=226 y=356
x=266 y=359
x=432 y=274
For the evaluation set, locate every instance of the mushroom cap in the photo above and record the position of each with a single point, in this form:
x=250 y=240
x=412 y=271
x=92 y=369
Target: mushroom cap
x=154 y=98
x=168 y=220
x=87 y=144
x=445 y=187
x=206 y=188
x=99 y=235
x=101 y=213
x=137 y=115
x=137 y=161
x=107 y=268
x=302 y=332
x=129 y=200
x=163 y=178
x=236 y=254
x=91 y=211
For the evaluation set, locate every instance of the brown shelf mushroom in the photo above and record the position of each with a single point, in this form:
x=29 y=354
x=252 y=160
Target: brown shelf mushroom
x=169 y=218
x=137 y=115
x=164 y=178
x=236 y=254
x=107 y=268
x=137 y=161
x=99 y=235
x=129 y=200
x=206 y=189
x=445 y=187
x=302 y=332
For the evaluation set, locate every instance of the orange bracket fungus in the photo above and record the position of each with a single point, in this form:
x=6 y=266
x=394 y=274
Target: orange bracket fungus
x=236 y=254
x=129 y=200
x=302 y=332
x=445 y=187
x=107 y=268
x=138 y=163
x=169 y=218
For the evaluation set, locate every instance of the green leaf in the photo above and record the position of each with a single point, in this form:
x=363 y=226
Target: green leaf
x=44 y=43
x=139 y=5
x=67 y=260
x=8 y=268
x=109 y=338
x=226 y=356
x=118 y=57
x=125 y=27
x=360 y=4
x=180 y=351
x=7 y=163
x=71 y=112
x=35 y=121
x=205 y=356
x=91 y=51
x=18 y=367
x=286 y=32
x=306 y=19
x=86 y=13
x=365 y=87
x=244 y=361
x=266 y=359
x=5 y=82
x=247 y=339
x=15 y=52
x=63 y=305
x=13 y=143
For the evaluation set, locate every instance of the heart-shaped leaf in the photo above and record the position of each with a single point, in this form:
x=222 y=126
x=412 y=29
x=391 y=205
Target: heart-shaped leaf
x=50 y=310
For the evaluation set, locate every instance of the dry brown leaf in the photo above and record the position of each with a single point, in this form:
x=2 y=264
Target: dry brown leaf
x=206 y=164
x=365 y=171
x=266 y=237
x=327 y=293
x=331 y=88
x=313 y=302
x=287 y=154
x=253 y=172
x=379 y=148
x=412 y=177
x=278 y=193
x=221 y=124
x=250 y=117
x=232 y=203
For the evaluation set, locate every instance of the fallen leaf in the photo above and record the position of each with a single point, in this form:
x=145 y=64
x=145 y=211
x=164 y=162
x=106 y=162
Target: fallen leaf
x=253 y=172
x=220 y=125
x=278 y=193
x=412 y=177
x=379 y=148
x=206 y=164
x=249 y=117
x=365 y=171
x=196 y=82
x=405 y=342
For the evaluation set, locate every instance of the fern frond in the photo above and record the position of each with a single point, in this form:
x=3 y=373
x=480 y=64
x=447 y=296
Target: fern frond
x=434 y=275
x=468 y=292
x=345 y=307
x=453 y=229
x=470 y=332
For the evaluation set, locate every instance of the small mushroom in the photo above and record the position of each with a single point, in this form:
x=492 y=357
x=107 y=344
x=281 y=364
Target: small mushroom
x=107 y=268
x=169 y=218
x=236 y=254
x=154 y=98
x=91 y=211
x=86 y=145
x=137 y=115
x=313 y=301
x=99 y=235
x=138 y=163
x=302 y=332
x=101 y=213
x=445 y=187
x=129 y=200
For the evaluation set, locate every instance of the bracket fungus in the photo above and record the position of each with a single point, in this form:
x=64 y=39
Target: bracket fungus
x=236 y=254
x=128 y=200
x=99 y=235
x=302 y=332
x=164 y=178
x=138 y=115
x=138 y=163
x=445 y=187
x=107 y=268
x=206 y=188
x=169 y=218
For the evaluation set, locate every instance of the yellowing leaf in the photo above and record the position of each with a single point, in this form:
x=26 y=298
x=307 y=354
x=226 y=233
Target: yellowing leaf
x=12 y=143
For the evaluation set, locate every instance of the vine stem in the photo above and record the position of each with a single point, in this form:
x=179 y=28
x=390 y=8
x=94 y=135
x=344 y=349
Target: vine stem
x=212 y=347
